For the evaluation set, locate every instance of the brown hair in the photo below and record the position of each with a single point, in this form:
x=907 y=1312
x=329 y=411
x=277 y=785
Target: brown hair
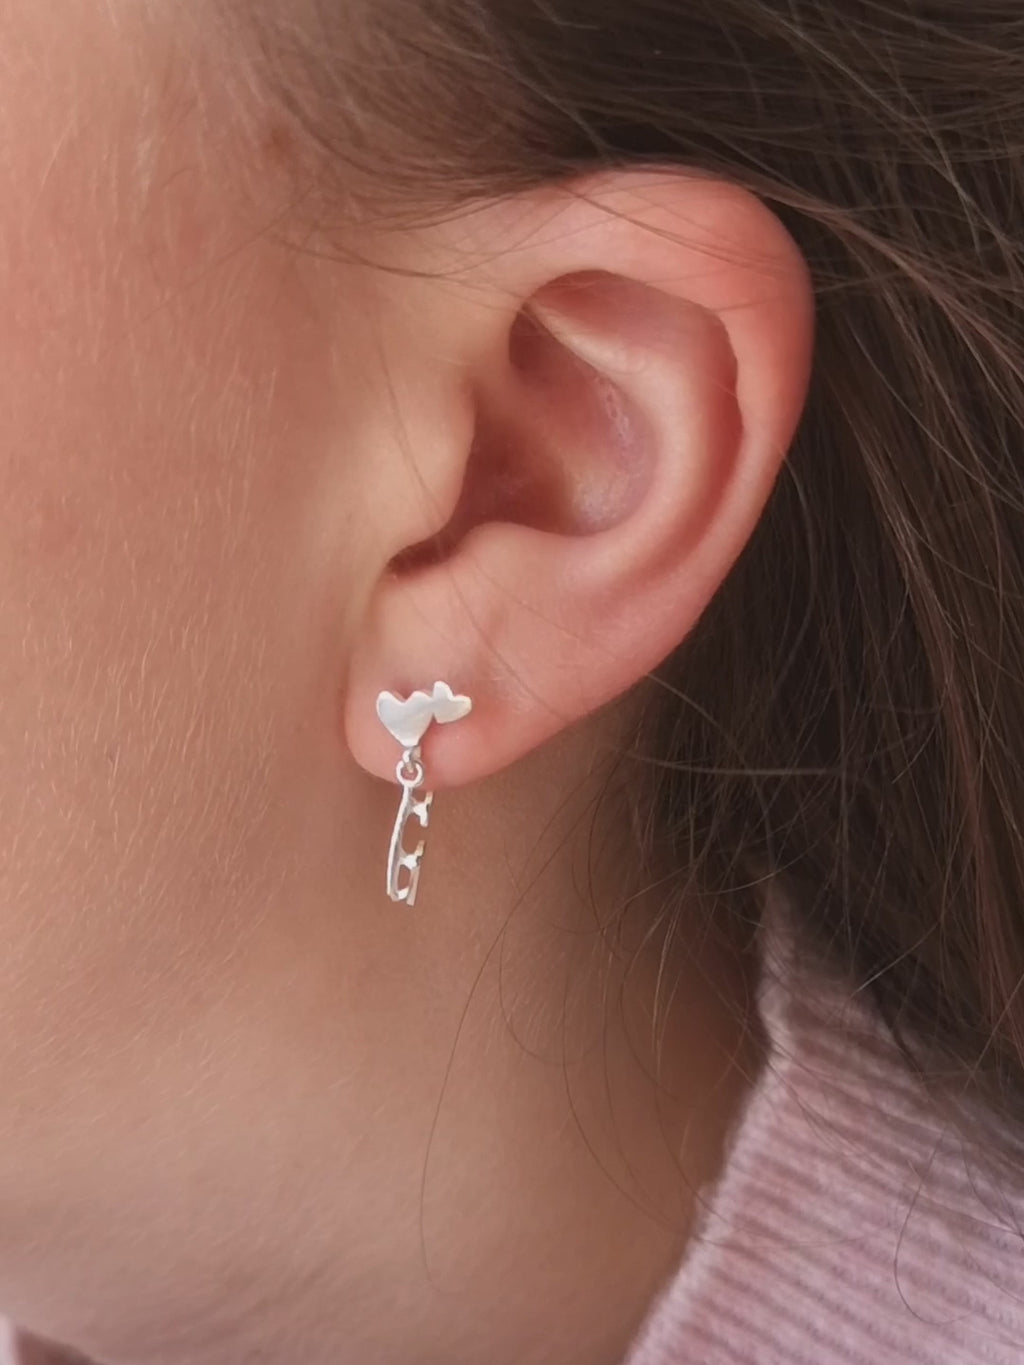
x=849 y=712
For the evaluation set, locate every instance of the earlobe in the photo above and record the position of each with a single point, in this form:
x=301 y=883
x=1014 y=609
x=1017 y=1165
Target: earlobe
x=634 y=384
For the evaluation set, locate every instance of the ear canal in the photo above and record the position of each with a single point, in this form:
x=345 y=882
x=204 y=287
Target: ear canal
x=558 y=444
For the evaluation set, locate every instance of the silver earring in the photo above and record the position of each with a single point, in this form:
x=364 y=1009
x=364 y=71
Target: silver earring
x=407 y=720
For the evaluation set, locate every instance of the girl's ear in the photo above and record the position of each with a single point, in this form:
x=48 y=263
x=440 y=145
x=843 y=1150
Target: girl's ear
x=617 y=369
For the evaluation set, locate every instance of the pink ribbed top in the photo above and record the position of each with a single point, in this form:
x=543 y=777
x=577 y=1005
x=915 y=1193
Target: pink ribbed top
x=849 y=1225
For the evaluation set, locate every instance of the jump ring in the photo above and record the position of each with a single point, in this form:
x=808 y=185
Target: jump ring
x=409 y=774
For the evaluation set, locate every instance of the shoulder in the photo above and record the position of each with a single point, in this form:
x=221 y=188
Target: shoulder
x=849 y=1222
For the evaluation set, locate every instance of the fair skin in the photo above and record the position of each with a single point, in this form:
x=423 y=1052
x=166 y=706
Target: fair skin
x=249 y=1108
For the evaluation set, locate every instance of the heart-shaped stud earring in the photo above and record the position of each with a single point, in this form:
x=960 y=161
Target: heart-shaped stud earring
x=407 y=719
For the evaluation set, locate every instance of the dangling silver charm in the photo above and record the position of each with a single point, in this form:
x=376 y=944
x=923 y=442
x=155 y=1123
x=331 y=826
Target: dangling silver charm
x=410 y=773
x=408 y=720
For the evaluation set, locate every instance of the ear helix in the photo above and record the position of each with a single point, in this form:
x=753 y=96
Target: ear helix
x=408 y=720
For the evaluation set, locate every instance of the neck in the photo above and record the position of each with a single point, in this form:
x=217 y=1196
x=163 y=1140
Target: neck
x=565 y=1075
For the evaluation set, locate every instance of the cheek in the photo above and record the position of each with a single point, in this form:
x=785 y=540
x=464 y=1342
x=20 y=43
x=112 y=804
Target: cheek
x=161 y=409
